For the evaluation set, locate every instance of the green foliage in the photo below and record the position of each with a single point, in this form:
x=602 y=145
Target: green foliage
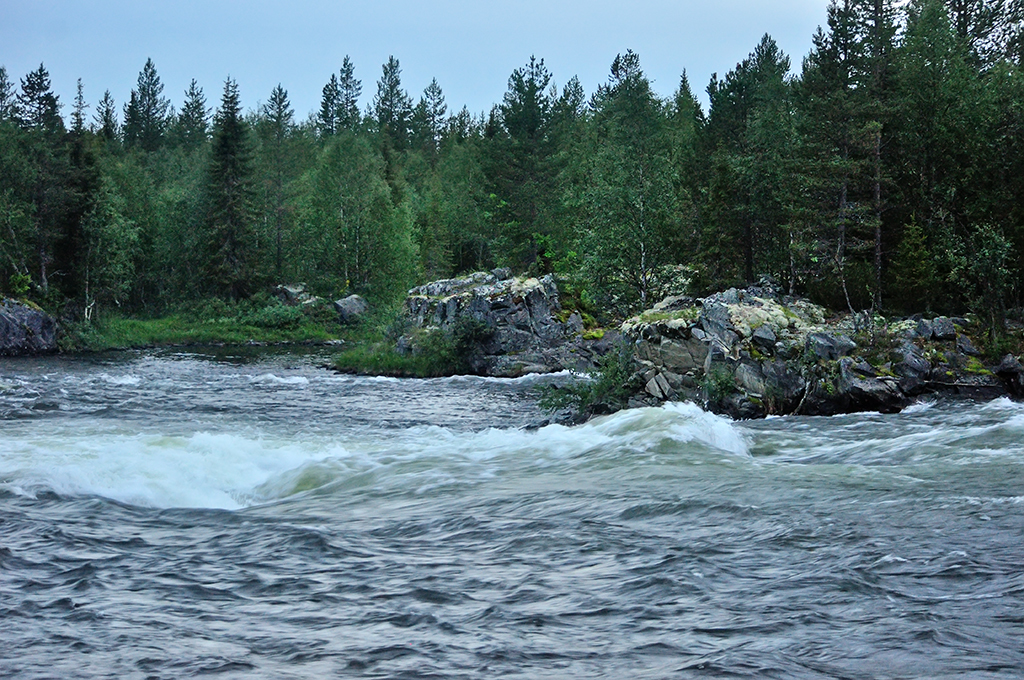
x=231 y=244
x=894 y=161
x=606 y=388
x=915 y=276
x=19 y=284
x=435 y=352
x=717 y=384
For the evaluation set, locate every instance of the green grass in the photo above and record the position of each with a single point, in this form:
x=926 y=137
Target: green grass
x=267 y=325
x=382 y=359
x=437 y=353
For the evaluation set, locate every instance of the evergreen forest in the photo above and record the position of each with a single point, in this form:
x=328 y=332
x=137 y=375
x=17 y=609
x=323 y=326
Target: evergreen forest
x=884 y=172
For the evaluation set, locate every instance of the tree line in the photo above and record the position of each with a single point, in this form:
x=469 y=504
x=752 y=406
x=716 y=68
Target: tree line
x=887 y=174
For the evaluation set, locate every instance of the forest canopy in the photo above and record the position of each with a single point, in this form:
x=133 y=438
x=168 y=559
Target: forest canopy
x=885 y=171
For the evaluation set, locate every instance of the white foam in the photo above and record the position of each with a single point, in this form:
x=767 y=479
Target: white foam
x=271 y=379
x=919 y=407
x=121 y=380
x=231 y=470
x=202 y=470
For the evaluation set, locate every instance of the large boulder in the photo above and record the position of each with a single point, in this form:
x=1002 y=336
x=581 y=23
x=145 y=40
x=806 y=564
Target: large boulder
x=25 y=330
x=528 y=332
x=351 y=309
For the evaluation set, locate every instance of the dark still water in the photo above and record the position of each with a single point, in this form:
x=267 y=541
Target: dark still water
x=178 y=515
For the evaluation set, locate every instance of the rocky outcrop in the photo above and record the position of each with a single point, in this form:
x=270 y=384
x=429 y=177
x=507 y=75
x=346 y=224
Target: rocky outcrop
x=25 y=330
x=754 y=352
x=527 y=331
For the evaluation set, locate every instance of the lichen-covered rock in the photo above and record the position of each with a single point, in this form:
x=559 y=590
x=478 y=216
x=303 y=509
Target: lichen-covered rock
x=756 y=352
x=25 y=330
x=524 y=317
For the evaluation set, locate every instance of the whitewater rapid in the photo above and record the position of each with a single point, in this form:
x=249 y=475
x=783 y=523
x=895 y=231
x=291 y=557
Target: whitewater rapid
x=255 y=515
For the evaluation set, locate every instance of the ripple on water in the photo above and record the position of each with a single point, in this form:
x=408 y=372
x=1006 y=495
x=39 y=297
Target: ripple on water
x=412 y=529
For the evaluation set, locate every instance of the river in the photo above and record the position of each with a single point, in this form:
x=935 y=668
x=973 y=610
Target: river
x=173 y=514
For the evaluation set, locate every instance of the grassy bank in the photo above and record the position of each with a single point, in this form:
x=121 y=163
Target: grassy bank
x=209 y=323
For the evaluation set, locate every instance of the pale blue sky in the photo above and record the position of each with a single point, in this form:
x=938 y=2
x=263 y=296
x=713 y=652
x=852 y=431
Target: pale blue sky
x=470 y=47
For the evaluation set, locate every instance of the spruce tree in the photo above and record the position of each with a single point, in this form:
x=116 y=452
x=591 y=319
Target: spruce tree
x=392 y=108
x=629 y=204
x=327 y=118
x=38 y=106
x=78 y=113
x=230 y=201
x=520 y=168
x=191 y=129
x=146 y=116
x=349 y=90
x=428 y=120
x=8 y=100
x=105 y=120
x=276 y=126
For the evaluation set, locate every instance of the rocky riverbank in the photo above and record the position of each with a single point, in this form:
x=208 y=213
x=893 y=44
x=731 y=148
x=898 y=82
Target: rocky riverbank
x=754 y=352
x=746 y=353
x=25 y=330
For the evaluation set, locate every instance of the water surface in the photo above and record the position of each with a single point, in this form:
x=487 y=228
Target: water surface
x=168 y=515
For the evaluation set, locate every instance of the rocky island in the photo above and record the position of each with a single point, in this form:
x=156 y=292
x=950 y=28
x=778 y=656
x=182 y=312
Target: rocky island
x=747 y=353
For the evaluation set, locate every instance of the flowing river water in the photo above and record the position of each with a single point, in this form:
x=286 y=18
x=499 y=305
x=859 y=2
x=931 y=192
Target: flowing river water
x=171 y=515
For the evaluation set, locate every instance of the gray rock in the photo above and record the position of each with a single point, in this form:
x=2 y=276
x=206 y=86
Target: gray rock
x=783 y=383
x=716 y=313
x=965 y=346
x=674 y=303
x=829 y=347
x=659 y=388
x=351 y=309
x=943 y=329
x=502 y=273
x=867 y=393
x=25 y=331
x=923 y=329
x=1011 y=372
x=574 y=325
x=291 y=294
x=765 y=338
x=679 y=356
x=751 y=379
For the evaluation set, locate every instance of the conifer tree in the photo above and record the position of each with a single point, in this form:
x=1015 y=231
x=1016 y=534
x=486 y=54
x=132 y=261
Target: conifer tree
x=146 y=116
x=78 y=113
x=327 y=118
x=428 y=120
x=191 y=127
x=277 y=124
x=520 y=167
x=230 y=197
x=392 y=108
x=105 y=120
x=8 y=100
x=38 y=106
x=630 y=204
x=747 y=126
x=349 y=90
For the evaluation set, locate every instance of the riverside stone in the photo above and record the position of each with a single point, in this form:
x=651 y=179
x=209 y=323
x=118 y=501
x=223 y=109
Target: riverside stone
x=25 y=330
x=350 y=309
